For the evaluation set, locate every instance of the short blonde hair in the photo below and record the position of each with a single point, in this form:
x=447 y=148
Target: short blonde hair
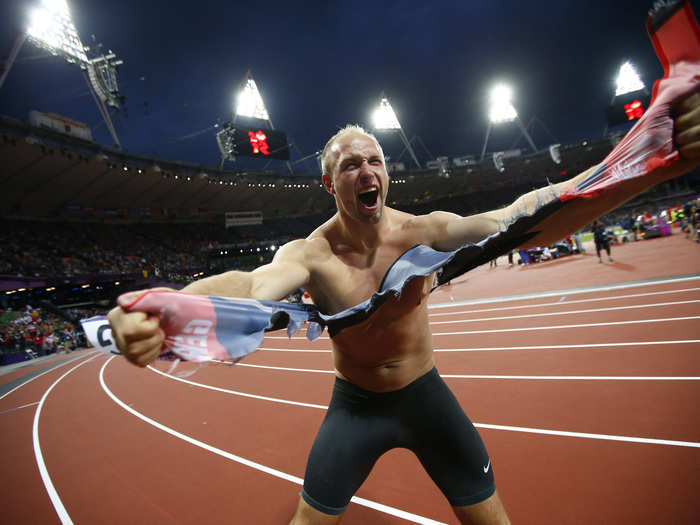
x=327 y=158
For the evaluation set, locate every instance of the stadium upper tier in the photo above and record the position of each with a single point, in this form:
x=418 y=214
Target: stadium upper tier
x=48 y=174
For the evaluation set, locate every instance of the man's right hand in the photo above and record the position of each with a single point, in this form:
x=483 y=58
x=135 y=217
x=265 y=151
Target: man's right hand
x=138 y=335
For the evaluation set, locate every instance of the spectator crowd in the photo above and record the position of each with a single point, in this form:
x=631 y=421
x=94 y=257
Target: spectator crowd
x=35 y=332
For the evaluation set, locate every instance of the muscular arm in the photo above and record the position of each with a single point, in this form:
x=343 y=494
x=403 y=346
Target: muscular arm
x=274 y=281
x=450 y=231
x=138 y=335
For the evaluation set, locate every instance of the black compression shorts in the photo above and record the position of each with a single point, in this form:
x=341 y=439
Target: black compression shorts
x=423 y=417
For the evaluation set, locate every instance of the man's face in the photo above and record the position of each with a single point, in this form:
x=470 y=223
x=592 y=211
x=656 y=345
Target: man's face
x=359 y=180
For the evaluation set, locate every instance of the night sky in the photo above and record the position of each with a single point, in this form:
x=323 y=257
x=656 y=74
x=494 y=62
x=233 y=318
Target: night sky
x=320 y=65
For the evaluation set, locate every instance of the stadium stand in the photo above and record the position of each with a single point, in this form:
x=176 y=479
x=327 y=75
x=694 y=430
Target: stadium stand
x=84 y=223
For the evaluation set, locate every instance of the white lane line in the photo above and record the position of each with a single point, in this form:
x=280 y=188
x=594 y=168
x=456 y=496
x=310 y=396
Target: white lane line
x=567 y=347
x=577 y=378
x=534 y=328
x=630 y=439
x=506 y=348
x=19 y=407
x=565 y=326
x=252 y=464
x=284 y=368
x=234 y=392
x=558 y=303
x=45 y=477
x=303 y=350
x=46 y=372
x=568 y=312
x=574 y=291
x=482 y=376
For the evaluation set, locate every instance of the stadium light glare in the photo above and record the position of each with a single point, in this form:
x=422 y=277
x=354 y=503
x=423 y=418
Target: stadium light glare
x=384 y=119
x=384 y=116
x=500 y=106
x=51 y=27
x=250 y=103
x=628 y=80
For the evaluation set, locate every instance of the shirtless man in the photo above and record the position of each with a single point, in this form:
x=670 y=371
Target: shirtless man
x=387 y=392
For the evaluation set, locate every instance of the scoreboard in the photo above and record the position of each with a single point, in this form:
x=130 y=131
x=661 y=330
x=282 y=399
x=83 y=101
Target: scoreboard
x=627 y=108
x=252 y=141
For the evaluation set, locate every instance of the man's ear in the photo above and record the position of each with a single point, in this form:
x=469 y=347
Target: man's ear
x=328 y=183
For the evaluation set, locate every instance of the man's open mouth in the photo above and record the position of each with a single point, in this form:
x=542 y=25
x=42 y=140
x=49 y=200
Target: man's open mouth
x=369 y=197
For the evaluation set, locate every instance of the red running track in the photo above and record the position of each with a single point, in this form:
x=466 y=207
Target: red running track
x=587 y=403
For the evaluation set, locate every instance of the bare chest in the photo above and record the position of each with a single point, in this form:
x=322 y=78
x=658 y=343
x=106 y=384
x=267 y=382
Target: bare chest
x=349 y=279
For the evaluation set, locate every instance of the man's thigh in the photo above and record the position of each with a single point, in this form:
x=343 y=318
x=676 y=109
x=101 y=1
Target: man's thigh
x=307 y=515
x=488 y=512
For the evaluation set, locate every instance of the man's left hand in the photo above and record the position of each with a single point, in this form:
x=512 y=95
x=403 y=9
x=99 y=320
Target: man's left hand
x=687 y=129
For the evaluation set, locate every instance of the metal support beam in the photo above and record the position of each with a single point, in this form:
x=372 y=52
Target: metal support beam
x=10 y=60
x=408 y=146
x=103 y=111
x=486 y=141
x=526 y=134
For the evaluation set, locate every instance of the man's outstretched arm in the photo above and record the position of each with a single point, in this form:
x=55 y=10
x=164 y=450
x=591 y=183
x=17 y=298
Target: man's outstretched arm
x=272 y=282
x=450 y=231
x=140 y=338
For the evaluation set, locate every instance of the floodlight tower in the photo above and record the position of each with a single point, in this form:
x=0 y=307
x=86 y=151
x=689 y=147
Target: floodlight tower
x=384 y=119
x=628 y=80
x=250 y=104
x=629 y=100
x=501 y=110
x=51 y=28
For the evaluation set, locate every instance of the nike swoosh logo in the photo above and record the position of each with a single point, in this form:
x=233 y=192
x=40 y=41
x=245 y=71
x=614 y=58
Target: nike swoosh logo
x=487 y=467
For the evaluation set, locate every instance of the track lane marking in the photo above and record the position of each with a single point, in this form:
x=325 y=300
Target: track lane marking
x=537 y=328
x=67 y=361
x=43 y=471
x=507 y=348
x=19 y=407
x=608 y=437
x=285 y=368
x=566 y=326
x=568 y=312
x=577 y=378
x=558 y=303
x=252 y=464
x=490 y=376
x=611 y=437
x=574 y=291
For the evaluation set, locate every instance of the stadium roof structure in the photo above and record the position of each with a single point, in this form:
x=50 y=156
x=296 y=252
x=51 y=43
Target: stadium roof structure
x=52 y=175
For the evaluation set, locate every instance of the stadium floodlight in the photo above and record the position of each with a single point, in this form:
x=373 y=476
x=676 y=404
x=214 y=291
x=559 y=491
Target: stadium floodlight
x=501 y=108
x=501 y=111
x=249 y=103
x=628 y=80
x=51 y=27
x=384 y=116
x=384 y=119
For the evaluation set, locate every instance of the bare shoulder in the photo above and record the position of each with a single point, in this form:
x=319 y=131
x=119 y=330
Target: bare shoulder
x=447 y=231
x=427 y=226
x=305 y=251
x=314 y=249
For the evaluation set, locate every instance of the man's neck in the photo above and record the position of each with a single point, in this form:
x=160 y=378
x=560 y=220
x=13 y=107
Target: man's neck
x=359 y=236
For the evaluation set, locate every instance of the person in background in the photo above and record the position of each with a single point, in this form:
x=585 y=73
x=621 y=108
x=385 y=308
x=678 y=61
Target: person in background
x=600 y=236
